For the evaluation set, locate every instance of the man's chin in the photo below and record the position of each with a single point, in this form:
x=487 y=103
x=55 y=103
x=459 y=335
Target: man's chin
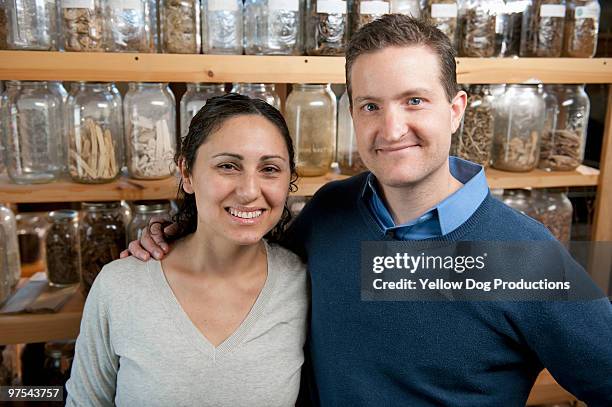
x=398 y=180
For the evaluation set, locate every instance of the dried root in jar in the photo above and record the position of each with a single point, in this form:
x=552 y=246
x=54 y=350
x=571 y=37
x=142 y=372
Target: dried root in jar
x=518 y=153
x=580 y=35
x=152 y=150
x=476 y=138
x=83 y=29
x=93 y=154
x=561 y=150
x=181 y=29
x=328 y=31
x=544 y=33
x=478 y=38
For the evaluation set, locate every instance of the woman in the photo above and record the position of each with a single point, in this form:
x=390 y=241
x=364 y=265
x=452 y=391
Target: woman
x=221 y=320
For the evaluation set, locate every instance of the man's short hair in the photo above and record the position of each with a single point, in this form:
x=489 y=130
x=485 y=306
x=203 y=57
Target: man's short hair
x=397 y=30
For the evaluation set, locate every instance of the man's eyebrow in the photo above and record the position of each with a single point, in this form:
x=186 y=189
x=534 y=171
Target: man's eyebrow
x=405 y=94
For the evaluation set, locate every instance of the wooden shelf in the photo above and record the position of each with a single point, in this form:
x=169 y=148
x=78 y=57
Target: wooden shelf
x=26 y=328
x=133 y=190
x=123 y=67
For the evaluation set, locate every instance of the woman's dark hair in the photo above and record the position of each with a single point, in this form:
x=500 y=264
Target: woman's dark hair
x=209 y=119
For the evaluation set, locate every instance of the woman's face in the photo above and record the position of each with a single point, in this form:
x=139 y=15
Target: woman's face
x=240 y=179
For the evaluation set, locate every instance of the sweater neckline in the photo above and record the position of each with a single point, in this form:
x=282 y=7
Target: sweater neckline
x=187 y=327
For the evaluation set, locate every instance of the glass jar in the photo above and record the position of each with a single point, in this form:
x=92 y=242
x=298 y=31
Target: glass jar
x=31 y=228
x=222 y=27
x=132 y=25
x=518 y=124
x=3 y=24
x=273 y=27
x=3 y=119
x=563 y=148
x=179 y=22
x=194 y=99
x=263 y=91
x=58 y=362
x=84 y=25
x=508 y=27
x=326 y=27
x=477 y=21
x=143 y=212
x=555 y=211
x=311 y=117
x=366 y=11
x=95 y=126
x=542 y=31
x=444 y=14
x=102 y=236
x=63 y=248
x=32 y=25
x=10 y=264
x=521 y=200
x=410 y=8
x=348 y=157
x=581 y=28
x=150 y=130
x=474 y=139
x=8 y=359
x=33 y=133
x=58 y=89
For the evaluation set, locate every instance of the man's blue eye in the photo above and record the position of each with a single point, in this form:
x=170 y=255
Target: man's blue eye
x=369 y=107
x=414 y=101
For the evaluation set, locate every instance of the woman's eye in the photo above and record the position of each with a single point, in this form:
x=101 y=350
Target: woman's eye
x=227 y=166
x=271 y=170
x=415 y=101
x=369 y=107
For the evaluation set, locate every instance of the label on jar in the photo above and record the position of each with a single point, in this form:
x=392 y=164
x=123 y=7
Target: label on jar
x=591 y=11
x=78 y=4
x=374 y=7
x=222 y=5
x=331 y=6
x=516 y=7
x=444 y=11
x=126 y=4
x=552 y=10
x=288 y=5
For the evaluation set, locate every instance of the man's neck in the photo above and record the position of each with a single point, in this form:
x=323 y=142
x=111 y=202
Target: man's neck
x=408 y=202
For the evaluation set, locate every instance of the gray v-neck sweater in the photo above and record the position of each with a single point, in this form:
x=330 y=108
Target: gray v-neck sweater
x=138 y=347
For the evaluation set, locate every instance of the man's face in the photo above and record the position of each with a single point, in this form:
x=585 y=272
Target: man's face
x=403 y=119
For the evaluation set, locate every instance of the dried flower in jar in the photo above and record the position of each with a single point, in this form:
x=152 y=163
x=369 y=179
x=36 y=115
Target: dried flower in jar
x=561 y=150
x=476 y=135
x=93 y=158
x=152 y=150
x=581 y=29
x=181 y=27
x=327 y=28
x=84 y=28
x=543 y=34
x=478 y=39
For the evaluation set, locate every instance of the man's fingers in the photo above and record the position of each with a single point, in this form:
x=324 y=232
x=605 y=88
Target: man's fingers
x=125 y=253
x=149 y=244
x=137 y=251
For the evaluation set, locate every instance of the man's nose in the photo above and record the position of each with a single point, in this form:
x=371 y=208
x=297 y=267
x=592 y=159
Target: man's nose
x=248 y=187
x=394 y=124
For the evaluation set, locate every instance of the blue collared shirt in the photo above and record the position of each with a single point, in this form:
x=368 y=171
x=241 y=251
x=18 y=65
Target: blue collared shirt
x=443 y=218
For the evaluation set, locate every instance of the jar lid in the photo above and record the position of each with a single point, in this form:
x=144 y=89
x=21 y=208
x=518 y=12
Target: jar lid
x=63 y=214
x=151 y=206
x=100 y=206
x=59 y=349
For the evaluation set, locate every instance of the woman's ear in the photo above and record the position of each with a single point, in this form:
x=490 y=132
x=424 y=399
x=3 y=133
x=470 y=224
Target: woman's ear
x=187 y=185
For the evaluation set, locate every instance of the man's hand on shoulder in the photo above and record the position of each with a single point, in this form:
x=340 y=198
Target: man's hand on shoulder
x=152 y=242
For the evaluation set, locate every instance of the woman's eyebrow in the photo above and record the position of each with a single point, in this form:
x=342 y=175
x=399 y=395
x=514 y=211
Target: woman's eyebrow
x=238 y=156
x=269 y=157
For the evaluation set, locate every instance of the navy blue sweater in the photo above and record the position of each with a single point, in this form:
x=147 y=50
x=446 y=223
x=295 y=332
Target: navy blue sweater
x=369 y=353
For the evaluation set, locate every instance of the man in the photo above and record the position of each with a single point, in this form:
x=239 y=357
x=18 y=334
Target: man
x=401 y=78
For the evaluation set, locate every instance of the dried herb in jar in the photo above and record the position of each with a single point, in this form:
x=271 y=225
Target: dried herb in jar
x=543 y=34
x=327 y=28
x=152 y=149
x=443 y=13
x=518 y=153
x=476 y=134
x=364 y=12
x=84 y=29
x=581 y=29
x=63 y=248
x=180 y=24
x=129 y=28
x=478 y=38
x=3 y=27
x=561 y=150
x=93 y=158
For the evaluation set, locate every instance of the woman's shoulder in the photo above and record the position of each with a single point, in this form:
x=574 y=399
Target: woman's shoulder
x=287 y=261
x=120 y=275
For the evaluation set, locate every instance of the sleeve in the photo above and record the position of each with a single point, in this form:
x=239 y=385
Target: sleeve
x=94 y=370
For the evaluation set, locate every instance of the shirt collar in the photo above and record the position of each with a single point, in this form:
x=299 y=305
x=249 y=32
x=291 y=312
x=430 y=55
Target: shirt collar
x=450 y=213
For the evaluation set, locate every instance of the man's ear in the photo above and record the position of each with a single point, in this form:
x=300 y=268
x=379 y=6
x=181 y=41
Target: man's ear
x=457 y=109
x=186 y=177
